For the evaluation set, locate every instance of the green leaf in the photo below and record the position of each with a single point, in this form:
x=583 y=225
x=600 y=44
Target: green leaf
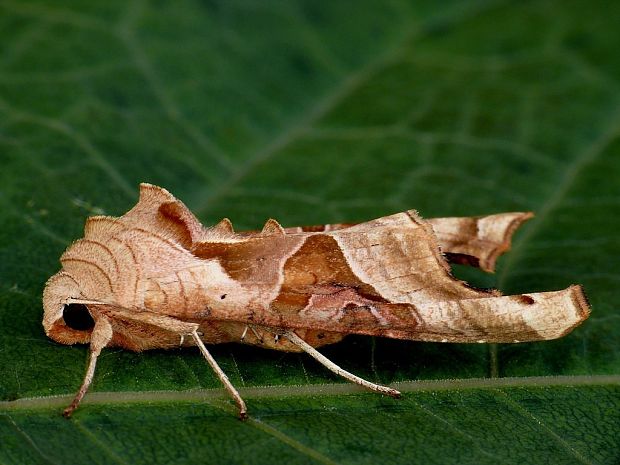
x=313 y=113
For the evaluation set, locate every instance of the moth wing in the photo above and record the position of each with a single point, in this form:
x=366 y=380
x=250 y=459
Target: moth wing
x=515 y=318
x=388 y=277
x=477 y=240
x=401 y=257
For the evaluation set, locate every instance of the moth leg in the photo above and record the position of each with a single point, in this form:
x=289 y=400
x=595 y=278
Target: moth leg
x=258 y=336
x=222 y=376
x=295 y=339
x=251 y=328
x=100 y=337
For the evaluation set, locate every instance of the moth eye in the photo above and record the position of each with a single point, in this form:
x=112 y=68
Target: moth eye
x=77 y=317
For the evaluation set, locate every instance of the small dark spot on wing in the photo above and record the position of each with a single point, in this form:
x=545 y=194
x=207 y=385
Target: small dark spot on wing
x=525 y=299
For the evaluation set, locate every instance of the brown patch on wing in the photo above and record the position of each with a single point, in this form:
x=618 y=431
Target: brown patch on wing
x=318 y=268
x=347 y=311
x=255 y=259
x=463 y=259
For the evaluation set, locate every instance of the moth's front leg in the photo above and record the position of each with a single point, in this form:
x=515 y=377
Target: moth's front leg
x=100 y=337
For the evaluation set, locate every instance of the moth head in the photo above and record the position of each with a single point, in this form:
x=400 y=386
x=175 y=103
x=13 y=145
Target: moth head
x=66 y=318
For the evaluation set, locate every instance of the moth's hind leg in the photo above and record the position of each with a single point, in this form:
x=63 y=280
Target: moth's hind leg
x=299 y=342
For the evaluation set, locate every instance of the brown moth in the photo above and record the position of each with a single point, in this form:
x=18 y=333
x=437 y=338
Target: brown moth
x=157 y=278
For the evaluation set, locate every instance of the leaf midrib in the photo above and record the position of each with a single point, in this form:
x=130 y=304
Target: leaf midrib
x=331 y=389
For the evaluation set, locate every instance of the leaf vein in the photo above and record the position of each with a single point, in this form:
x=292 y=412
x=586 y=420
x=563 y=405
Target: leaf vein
x=555 y=436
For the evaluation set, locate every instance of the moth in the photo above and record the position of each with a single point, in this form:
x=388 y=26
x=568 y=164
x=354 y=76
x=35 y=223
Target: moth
x=156 y=278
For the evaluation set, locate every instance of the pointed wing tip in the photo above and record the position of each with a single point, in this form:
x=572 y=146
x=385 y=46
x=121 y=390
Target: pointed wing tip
x=515 y=220
x=575 y=309
x=580 y=299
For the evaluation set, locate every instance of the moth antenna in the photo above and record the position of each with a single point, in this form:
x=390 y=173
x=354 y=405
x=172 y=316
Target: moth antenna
x=224 y=227
x=100 y=337
x=243 y=411
x=299 y=342
x=272 y=227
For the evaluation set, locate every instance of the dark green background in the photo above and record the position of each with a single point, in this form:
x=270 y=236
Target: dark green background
x=314 y=112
